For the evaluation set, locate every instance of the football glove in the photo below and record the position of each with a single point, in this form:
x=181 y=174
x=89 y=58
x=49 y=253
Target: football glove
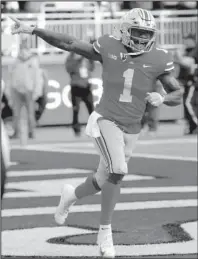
x=155 y=98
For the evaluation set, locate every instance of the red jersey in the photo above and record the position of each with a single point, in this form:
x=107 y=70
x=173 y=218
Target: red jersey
x=127 y=80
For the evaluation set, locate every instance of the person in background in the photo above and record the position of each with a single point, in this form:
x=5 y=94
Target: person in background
x=186 y=58
x=5 y=149
x=23 y=82
x=79 y=69
x=40 y=93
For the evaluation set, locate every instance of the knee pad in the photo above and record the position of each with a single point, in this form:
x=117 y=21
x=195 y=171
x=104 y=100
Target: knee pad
x=115 y=178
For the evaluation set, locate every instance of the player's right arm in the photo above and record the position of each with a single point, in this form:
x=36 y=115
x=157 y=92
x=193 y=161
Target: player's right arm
x=59 y=40
x=68 y=43
x=174 y=92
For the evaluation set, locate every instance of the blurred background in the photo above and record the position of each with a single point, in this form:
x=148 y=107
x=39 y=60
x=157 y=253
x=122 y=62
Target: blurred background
x=177 y=24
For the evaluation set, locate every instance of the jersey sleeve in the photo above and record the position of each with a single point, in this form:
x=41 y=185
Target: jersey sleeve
x=167 y=62
x=97 y=46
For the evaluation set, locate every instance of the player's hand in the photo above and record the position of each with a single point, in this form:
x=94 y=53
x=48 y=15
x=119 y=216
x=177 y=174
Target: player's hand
x=19 y=27
x=154 y=98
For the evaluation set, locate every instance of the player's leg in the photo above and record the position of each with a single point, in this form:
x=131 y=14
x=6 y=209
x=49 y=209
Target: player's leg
x=111 y=144
x=92 y=184
x=29 y=104
x=88 y=99
x=70 y=194
x=130 y=144
x=16 y=108
x=76 y=107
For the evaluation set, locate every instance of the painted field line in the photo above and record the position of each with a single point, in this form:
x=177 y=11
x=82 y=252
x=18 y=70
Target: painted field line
x=91 y=145
x=94 y=152
x=29 y=184
x=13 y=163
x=54 y=186
x=134 y=190
x=168 y=141
x=127 y=206
x=171 y=189
x=165 y=157
x=68 y=171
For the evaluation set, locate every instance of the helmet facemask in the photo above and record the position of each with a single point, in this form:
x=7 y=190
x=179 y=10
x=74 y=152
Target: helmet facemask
x=140 y=40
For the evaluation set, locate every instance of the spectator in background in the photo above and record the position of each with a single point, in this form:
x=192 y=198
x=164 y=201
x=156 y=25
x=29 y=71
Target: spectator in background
x=5 y=148
x=158 y=5
x=6 y=111
x=186 y=58
x=79 y=69
x=9 y=7
x=128 y=5
x=5 y=156
x=184 y=5
x=23 y=82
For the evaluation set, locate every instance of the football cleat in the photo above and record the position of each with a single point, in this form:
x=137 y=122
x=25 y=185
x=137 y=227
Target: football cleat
x=66 y=201
x=105 y=244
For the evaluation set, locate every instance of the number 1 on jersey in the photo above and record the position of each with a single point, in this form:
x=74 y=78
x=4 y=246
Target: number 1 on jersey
x=128 y=82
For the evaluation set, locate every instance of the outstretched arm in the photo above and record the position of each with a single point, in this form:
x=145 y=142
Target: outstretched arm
x=59 y=40
x=68 y=43
x=173 y=89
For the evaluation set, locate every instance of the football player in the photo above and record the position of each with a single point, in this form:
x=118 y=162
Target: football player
x=131 y=64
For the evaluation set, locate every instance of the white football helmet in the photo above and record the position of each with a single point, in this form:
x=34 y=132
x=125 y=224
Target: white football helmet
x=137 y=30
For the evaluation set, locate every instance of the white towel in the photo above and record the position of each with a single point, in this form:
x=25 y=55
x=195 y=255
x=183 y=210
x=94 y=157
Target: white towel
x=92 y=128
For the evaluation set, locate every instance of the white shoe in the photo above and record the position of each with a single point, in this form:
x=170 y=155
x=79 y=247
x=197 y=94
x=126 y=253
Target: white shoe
x=67 y=199
x=105 y=244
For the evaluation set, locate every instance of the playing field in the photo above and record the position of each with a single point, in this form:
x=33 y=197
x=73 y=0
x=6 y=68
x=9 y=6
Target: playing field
x=156 y=215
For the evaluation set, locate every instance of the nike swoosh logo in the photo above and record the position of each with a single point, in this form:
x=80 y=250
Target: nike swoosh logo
x=146 y=65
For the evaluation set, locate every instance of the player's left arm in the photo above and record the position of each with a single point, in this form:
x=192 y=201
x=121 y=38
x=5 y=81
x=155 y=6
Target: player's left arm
x=172 y=88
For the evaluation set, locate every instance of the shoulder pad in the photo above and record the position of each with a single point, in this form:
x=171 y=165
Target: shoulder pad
x=166 y=59
x=101 y=43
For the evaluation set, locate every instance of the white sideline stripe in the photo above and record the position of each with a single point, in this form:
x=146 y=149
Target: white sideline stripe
x=13 y=163
x=48 y=172
x=133 y=190
x=97 y=207
x=90 y=144
x=69 y=171
x=168 y=141
x=129 y=177
x=92 y=151
x=165 y=157
x=172 y=189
